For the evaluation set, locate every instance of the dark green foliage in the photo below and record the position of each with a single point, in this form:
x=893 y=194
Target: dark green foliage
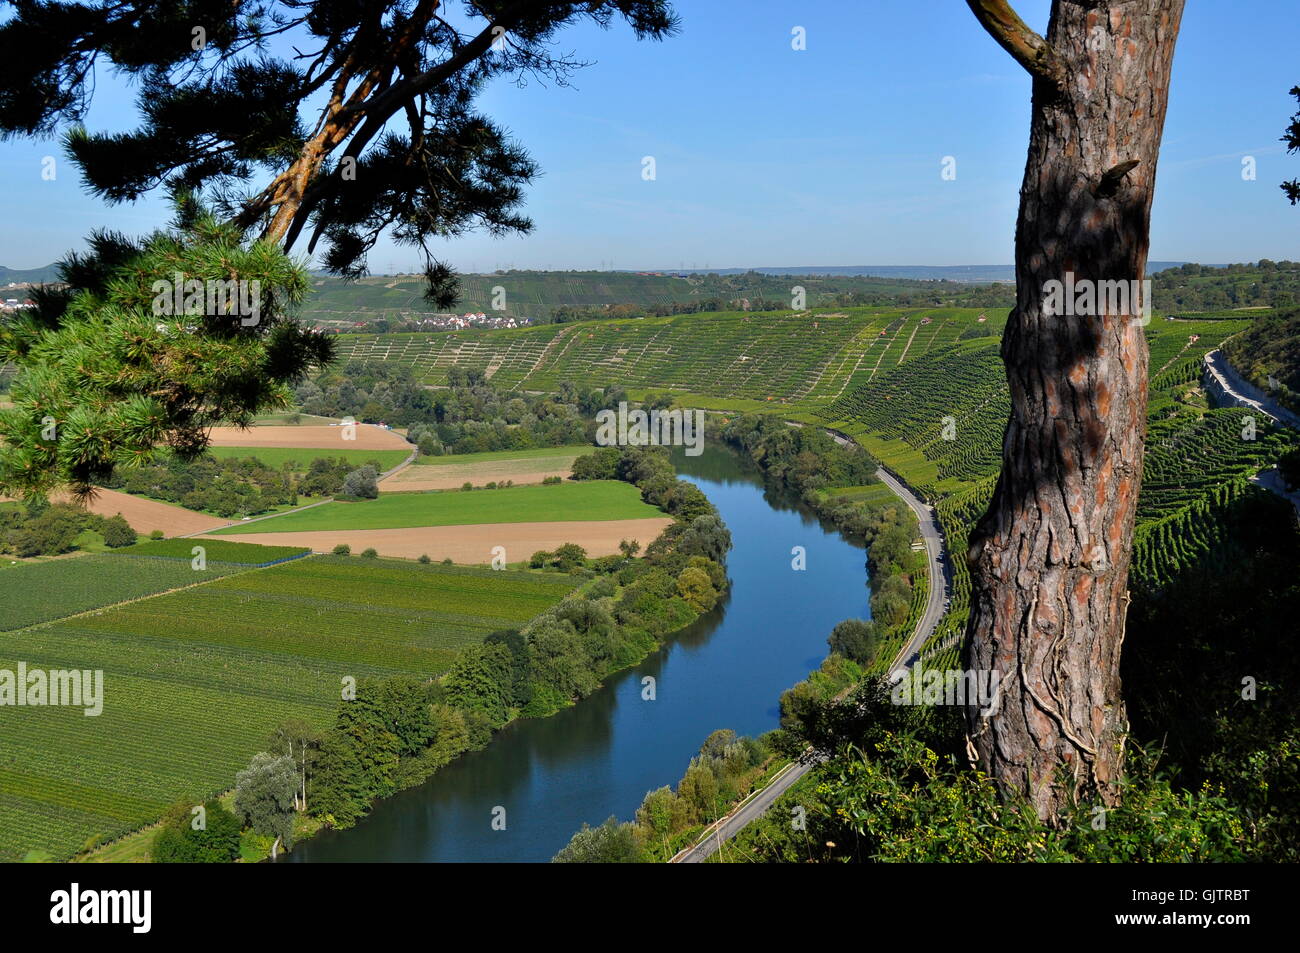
x=800 y=458
x=215 y=841
x=358 y=758
x=45 y=530
x=226 y=486
x=568 y=557
x=1289 y=467
x=895 y=787
x=482 y=680
x=601 y=465
x=470 y=416
x=1192 y=647
x=104 y=380
x=855 y=639
x=118 y=532
x=411 y=156
x=361 y=484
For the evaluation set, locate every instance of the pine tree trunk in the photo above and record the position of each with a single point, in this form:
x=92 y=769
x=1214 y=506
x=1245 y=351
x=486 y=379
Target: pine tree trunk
x=1050 y=558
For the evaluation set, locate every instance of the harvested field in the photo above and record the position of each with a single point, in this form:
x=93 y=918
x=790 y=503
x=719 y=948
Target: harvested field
x=473 y=544
x=450 y=473
x=311 y=437
x=452 y=478
x=147 y=515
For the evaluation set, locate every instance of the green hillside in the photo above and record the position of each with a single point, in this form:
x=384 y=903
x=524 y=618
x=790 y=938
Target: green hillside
x=782 y=357
x=1268 y=354
x=543 y=295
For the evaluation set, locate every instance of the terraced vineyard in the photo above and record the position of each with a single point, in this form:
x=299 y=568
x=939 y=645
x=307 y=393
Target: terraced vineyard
x=948 y=406
x=787 y=357
x=195 y=680
x=1197 y=460
x=507 y=357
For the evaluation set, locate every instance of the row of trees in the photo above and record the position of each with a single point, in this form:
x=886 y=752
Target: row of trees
x=467 y=416
x=799 y=458
x=232 y=487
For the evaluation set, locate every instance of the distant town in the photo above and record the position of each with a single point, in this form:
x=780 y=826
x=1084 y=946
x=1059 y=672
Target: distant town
x=405 y=321
x=14 y=296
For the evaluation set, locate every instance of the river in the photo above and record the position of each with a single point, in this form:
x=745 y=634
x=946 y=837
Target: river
x=601 y=756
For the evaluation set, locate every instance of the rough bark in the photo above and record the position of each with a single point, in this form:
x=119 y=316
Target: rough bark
x=1050 y=558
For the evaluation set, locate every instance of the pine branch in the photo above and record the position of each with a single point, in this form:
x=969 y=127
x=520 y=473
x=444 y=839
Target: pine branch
x=1026 y=47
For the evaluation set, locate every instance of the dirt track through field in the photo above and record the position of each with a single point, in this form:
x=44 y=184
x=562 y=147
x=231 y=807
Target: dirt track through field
x=316 y=438
x=473 y=544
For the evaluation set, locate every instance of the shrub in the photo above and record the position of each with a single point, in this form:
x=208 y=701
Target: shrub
x=118 y=532
x=361 y=484
x=467 y=486
x=855 y=639
x=695 y=587
x=369 y=552
x=342 y=549
x=216 y=842
x=602 y=588
x=569 y=557
x=610 y=843
x=156 y=534
x=424 y=558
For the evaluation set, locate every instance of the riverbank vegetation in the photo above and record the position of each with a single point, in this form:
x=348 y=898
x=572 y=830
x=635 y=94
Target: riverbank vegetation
x=390 y=732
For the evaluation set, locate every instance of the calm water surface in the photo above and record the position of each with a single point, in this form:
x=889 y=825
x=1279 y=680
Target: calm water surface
x=602 y=755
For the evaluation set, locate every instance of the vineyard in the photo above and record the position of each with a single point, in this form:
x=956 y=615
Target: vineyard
x=937 y=420
x=243 y=554
x=949 y=406
x=786 y=357
x=195 y=680
x=50 y=590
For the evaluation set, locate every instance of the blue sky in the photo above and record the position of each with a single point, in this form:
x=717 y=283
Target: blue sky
x=827 y=156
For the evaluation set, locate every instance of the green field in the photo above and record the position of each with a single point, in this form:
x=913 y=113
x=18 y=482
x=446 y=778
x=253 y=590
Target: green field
x=195 y=680
x=225 y=551
x=277 y=457
x=566 y=502
x=39 y=592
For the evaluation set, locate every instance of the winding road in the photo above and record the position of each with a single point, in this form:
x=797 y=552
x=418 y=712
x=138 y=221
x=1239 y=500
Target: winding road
x=758 y=801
